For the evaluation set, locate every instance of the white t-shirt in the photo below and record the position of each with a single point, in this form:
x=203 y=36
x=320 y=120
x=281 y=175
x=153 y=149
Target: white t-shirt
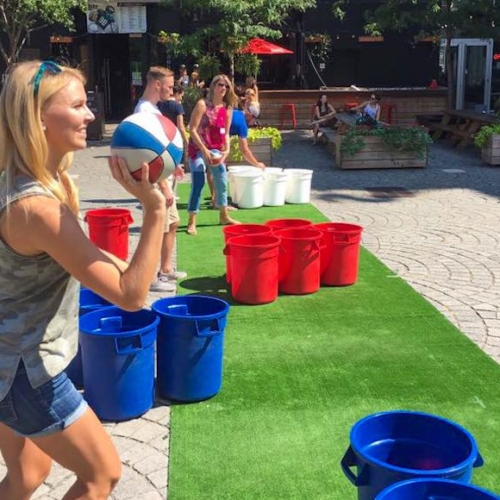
x=144 y=106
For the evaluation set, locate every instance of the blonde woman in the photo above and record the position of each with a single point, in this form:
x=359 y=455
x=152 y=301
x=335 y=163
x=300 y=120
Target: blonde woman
x=44 y=255
x=209 y=129
x=251 y=108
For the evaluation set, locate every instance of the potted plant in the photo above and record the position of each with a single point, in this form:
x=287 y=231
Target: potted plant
x=488 y=139
x=382 y=147
x=262 y=142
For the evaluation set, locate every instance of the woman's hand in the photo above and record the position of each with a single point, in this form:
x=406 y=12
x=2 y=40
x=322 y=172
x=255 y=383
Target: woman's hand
x=146 y=192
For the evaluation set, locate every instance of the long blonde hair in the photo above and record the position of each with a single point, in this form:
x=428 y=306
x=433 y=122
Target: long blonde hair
x=23 y=146
x=230 y=98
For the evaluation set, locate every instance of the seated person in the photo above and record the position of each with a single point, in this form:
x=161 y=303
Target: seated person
x=324 y=113
x=251 y=109
x=370 y=110
x=251 y=83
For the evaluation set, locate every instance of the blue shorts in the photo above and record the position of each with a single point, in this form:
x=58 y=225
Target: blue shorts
x=47 y=409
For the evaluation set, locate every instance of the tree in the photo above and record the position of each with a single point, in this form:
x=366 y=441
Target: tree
x=19 y=18
x=442 y=19
x=234 y=23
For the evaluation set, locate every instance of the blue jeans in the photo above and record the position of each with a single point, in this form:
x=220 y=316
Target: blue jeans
x=37 y=412
x=198 y=169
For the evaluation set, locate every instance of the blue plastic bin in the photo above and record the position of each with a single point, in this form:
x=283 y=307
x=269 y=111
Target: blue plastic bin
x=435 y=489
x=89 y=301
x=390 y=447
x=118 y=361
x=190 y=346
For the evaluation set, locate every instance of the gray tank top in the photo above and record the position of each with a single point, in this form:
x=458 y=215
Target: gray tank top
x=38 y=306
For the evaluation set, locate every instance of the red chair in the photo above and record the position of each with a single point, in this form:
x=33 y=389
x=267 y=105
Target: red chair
x=350 y=104
x=289 y=109
x=386 y=112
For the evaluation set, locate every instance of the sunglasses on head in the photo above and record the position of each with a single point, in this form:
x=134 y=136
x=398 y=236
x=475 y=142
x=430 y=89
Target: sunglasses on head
x=46 y=66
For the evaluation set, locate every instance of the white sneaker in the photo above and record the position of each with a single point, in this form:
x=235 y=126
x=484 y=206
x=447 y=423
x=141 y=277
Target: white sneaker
x=173 y=275
x=162 y=284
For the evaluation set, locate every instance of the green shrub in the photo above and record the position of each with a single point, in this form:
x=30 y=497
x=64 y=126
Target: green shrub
x=411 y=139
x=254 y=134
x=482 y=137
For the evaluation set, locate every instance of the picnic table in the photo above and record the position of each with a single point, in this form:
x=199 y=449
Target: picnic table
x=461 y=124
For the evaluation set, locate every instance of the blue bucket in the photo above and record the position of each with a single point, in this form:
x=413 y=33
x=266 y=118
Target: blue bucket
x=190 y=346
x=434 y=489
x=89 y=301
x=118 y=361
x=395 y=446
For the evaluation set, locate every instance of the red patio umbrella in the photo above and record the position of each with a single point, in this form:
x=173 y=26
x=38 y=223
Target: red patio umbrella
x=260 y=46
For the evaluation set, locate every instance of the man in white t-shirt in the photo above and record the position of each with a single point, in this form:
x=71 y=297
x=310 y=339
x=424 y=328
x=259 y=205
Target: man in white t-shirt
x=159 y=87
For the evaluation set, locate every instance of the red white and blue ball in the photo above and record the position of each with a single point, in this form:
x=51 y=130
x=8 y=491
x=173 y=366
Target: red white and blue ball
x=148 y=138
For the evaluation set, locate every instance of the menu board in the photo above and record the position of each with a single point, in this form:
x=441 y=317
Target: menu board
x=111 y=18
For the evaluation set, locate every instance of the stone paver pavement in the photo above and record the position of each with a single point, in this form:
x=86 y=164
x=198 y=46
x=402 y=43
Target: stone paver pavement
x=437 y=228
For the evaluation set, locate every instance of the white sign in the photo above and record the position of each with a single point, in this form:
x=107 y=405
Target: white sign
x=109 y=18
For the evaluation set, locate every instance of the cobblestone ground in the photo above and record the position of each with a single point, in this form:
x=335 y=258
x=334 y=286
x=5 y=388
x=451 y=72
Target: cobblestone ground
x=437 y=228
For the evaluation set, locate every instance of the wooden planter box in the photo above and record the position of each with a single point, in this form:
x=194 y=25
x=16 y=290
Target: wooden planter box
x=491 y=153
x=375 y=154
x=261 y=149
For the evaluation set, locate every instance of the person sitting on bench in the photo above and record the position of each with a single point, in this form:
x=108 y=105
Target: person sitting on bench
x=324 y=113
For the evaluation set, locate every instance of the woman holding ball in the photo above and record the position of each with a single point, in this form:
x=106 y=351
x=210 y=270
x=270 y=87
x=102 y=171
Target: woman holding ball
x=44 y=255
x=209 y=130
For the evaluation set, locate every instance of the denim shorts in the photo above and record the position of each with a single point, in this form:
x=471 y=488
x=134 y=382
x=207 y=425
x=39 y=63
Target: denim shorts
x=47 y=409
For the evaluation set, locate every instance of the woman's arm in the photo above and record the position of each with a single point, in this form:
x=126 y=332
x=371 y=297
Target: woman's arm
x=194 y=123
x=361 y=107
x=379 y=110
x=227 y=138
x=182 y=129
x=43 y=225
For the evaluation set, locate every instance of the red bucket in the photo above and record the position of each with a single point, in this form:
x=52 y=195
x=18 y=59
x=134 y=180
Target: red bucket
x=287 y=223
x=254 y=268
x=340 y=253
x=108 y=229
x=299 y=263
x=241 y=230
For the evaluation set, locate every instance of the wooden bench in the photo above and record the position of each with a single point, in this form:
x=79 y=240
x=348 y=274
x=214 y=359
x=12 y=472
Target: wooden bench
x=327 y=136
x=438 y=128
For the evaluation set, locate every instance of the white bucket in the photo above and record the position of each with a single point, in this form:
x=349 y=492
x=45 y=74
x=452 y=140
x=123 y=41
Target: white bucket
x=275 y=184
x=231 y=185
x=249 y=186
x=274 y=170
x=298 y=189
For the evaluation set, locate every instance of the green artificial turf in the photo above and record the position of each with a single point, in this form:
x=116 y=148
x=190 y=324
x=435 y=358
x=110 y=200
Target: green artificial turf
x=299 y=372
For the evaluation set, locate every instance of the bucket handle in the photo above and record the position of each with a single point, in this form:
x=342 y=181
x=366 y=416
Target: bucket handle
x=208 y=328
x=134 y=345
x=345 y=238
x=479 y=461
x=350 y=460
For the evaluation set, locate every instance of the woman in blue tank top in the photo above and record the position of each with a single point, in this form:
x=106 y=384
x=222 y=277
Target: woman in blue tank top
x=371 y=108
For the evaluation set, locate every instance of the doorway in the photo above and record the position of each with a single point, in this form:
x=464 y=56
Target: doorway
x=113 y=74
x=472 y=73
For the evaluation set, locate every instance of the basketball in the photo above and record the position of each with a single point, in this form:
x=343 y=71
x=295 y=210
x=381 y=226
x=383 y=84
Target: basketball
x=216 y=155
x=148 y=138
